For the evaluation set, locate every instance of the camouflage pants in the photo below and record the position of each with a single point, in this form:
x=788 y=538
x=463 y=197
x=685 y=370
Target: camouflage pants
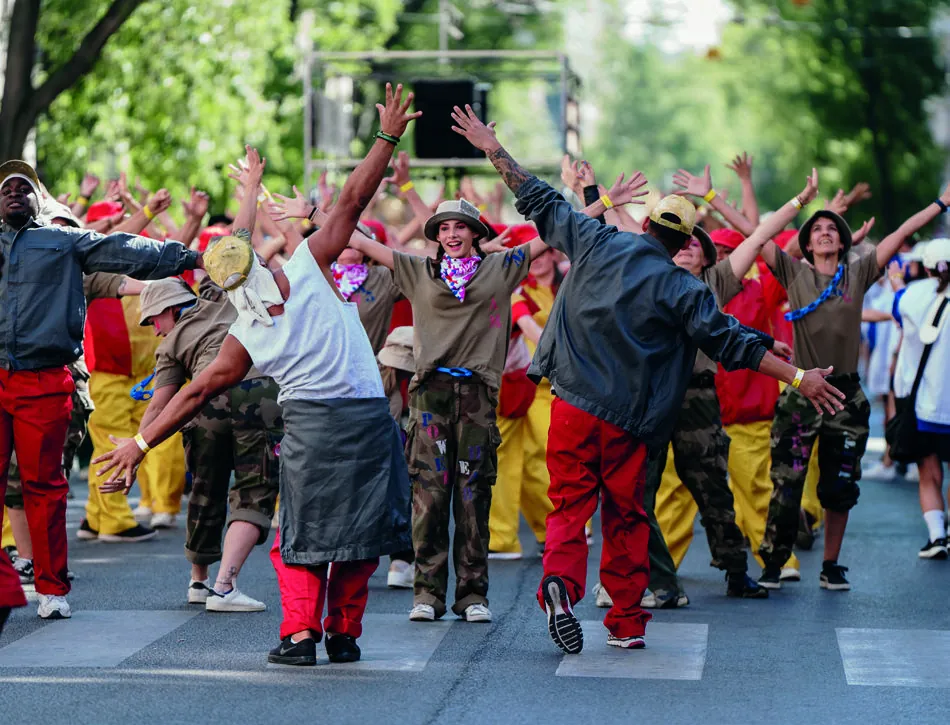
x=452 y=454
x=843 y=438
x=701 y=455
x=238 y=431
x=78 y=425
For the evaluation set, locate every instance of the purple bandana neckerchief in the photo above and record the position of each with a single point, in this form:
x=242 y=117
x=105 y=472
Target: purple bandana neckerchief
x=349 y=277
x=458 y=272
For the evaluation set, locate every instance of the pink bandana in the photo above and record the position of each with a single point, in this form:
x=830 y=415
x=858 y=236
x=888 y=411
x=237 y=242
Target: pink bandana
x=349 y=277
x=458 y=272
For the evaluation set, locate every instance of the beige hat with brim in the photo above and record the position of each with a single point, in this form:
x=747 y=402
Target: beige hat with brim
x=462 y=211
x=228 y=261
x=161 y=295
x=17 y=169
x=397 y=352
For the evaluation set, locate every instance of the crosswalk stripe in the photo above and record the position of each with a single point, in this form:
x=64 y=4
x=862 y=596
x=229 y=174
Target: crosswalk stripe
x=895 y=657
x=673 y=652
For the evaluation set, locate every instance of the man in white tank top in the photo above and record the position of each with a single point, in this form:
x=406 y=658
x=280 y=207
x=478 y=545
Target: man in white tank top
x=294 y=326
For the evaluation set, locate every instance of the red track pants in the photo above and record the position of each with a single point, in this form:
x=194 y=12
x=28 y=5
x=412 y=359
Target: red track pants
x=588 y=456
x=35 y=406
x=304 y=589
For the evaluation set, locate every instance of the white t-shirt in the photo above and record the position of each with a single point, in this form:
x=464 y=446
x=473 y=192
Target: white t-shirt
x=933 y=397
x=317 y=349
x=877 y=381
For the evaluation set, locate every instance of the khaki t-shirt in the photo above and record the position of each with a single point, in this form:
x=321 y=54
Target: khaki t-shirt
x=101 y=285
x=831 y=335
x=194 y=342
x=472 y=334
x=374 y=300
x=723 y=282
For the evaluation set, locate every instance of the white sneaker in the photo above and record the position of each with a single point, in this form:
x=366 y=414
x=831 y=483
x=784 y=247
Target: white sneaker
x=401 y=575
x=790 y=574
x=505 y=555
x=626 y=642
x=233 y=601
x=913 y=473
x=163 y=521
x=142 y=513
x=602 y=598
x=422 y=613
x=881 y=472
x=53 y=607
x=198 y=591
x=477 y=613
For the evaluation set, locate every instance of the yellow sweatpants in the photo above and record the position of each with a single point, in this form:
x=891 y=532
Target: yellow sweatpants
x=6 y=537
x=523 y=479
x=161 y=476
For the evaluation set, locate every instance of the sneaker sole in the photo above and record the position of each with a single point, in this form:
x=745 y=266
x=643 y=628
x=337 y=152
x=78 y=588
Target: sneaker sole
x=197 y=600
x=771 y=586
x=292 y=661
x=116 y=539
x=834 y=587
x=55 y=615
x=478 y=620
x=422 y=618
x=86 y=535
x=638 y=644
x=239 y=608
x=505 y=556
x=563 y=626
x=394 y=581
x=343 y=659
x=933 y=554
x=762 y=593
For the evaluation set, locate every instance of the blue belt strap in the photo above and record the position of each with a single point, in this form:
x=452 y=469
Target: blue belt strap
x=456 y=372
x=140 y=390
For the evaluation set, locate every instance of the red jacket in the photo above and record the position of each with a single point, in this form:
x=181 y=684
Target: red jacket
x=746 y=396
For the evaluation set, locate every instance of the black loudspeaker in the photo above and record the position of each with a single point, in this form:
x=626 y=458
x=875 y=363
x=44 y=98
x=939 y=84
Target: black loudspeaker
x=433 y=134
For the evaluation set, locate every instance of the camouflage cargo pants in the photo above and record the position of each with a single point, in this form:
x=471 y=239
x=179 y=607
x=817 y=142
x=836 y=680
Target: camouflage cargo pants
x=238 y=431
x=452 y=454
x=701 y=455
x=796 y=427
x=78 y=425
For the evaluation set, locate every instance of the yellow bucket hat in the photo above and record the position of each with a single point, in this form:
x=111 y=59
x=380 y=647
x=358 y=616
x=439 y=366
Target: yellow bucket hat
x=228 y=260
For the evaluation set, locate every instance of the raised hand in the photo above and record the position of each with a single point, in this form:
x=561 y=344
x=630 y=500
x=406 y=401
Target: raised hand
x=285 y=208
x=810 y=192
x=862 y=233
x=860 y=192
x=825 y=397
x=693 y=185
x=394 y=116
x=569 y=174
x=88 y=185
x=113 y=192
x=64 y=198
x=467 y=187
x=125 y=459
x=480 y=135
x=159 y=201
x=400 y=167
x=585 y=174
x=627 y=192
x=197 y=206
x=837 y=203
x=742 y=166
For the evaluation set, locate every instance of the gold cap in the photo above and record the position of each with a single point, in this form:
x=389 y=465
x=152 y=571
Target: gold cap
x=228 y=261
x=682 y=211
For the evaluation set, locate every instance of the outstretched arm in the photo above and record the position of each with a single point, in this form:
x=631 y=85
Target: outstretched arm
x=892 y=242
x=361 y=186
x=742 y=166
x=701 y=187
x=482 y=137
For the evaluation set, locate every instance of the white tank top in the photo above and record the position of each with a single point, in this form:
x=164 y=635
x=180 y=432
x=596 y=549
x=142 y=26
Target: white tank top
x=318 y=348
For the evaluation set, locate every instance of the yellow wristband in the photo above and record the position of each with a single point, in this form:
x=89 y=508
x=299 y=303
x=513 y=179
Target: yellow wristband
x=607 y=202
x=149 y=214
x=799 y=376
x=483 y=207
x=143 y=446
x=710 y=195
x=796 y=202
x=408 y=186
x=84 y=200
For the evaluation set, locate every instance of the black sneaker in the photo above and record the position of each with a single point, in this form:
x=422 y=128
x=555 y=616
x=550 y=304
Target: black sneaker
x=563 y=626
x=24 y=567
x=741 y=585
x=934 y=549
x=11 y=552
x=771 y=577
x=300 y=654
x=805 y=538
x=136 y=533
x=342 y=648
x=832 y=577
x=86 y=532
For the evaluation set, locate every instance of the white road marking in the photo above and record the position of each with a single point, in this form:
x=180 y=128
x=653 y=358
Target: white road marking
x=895 y=657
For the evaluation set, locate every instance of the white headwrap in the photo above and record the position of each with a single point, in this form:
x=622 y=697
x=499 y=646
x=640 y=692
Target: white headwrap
x=259 y=292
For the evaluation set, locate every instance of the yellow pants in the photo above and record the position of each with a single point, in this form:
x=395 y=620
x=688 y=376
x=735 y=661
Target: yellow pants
x=6 y=537
x=161 y=476
x=523 y=479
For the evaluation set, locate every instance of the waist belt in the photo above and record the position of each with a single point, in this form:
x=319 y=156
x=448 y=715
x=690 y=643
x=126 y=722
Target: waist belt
x=456 y=372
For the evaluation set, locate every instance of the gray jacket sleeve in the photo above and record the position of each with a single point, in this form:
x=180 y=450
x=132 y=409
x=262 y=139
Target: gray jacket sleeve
x=132 y=255
x=718 y=335
x=558 y=224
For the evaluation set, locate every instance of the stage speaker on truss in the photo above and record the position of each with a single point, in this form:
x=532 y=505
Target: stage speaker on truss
x=433 y=134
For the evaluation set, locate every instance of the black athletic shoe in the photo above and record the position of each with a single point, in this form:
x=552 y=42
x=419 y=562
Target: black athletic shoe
x=86 y=532
x=805 y=539
x=934 y=549
x=744 y=587
x=301 y=654
x=832 y=577
x=342 y=648
x=771 y=577
x=24 y=567
x=563 y=626
x=132 y=535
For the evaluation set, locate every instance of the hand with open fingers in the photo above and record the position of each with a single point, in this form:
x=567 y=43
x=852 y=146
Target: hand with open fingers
x=113 y=192
x=469 y=192
x=285 y=208
x=861 y=234
x=837 y=203
x=742 y=166
x=782 y=350
x=64 y=198
x=627 y=192
x=693 y=185
x=824 y=396
x=810 y=192
x=860 y=192
x=568 y=173
x=197 y=205
x=395 y=116
x=123 y=460
x=160 y=201
x=585 y=174
x=497 y=244
x=400 y=167
x=88 y=185
x=480 y=135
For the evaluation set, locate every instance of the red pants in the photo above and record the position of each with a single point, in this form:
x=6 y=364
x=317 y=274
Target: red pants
x=588 y=456
x=303 y=590
x=35 y=406
x=11 y=593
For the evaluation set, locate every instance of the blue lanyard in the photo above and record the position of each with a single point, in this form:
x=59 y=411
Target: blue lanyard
x=830 y=291
x=140 y=390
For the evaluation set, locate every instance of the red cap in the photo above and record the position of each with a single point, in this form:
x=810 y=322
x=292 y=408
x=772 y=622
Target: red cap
x=379 y=230
x=782 y=238
x=209 y=233
x=728 y=238
x=103 y=210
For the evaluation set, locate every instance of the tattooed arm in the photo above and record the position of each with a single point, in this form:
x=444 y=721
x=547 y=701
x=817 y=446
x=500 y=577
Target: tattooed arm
x=482 y=137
